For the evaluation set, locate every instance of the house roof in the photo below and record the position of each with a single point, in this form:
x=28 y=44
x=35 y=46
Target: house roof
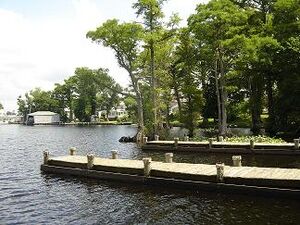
x=42 y=113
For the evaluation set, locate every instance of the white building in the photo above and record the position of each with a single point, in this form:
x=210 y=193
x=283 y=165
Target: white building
x=118 y=112
x=43 y=117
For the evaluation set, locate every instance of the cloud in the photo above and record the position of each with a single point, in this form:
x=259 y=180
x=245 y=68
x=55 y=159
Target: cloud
x=39 y=53
x=40 y=50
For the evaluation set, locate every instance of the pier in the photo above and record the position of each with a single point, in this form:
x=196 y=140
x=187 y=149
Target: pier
x=219 y=177
x=211 y=146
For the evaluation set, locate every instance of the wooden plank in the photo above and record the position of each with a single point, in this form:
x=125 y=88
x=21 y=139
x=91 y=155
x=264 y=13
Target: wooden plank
x=238 y=149
x=281 y=177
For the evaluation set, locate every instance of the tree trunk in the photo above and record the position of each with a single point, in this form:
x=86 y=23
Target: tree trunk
x=271 y=120
x=139 y=99
x=71 y=109
x=153 y=84
x=223 y=99
x=218 y=95
x=168 y=111
x=256 y=103
x=221 y=93
x=191 y=119
x=176 y=92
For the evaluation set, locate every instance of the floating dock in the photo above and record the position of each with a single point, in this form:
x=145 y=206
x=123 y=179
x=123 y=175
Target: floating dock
x=222 y=147
x=219 y=177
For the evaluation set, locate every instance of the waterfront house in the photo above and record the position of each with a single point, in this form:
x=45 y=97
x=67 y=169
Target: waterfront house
x=43 y=117
x=115 y=112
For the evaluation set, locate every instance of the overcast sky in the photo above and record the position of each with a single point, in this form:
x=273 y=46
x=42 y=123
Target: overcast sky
x=43 y=41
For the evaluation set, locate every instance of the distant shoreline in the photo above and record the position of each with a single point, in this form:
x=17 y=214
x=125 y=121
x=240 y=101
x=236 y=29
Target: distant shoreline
x=76 y=123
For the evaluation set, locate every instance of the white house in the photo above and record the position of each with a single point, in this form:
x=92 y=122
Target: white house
x=115 y=112
x=43 y=117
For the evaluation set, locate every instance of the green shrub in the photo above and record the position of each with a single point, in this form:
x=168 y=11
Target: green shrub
x=257 y=139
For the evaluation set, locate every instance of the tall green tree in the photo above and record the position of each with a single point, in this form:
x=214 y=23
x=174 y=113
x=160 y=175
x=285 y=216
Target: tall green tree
x=158 y=38
x=187 y=85
x=124 y=39
x=217 y=25
x=64 y=95
x=286 y=24
x=108 y=95
x=151 y=12
x=36 y=100
x=85 y=82
x=42 y=100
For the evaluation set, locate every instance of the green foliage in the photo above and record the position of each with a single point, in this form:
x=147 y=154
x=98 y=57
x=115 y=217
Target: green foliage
x=131 y=107
x=151 y=12
x=82 y=94
x=236 y=60
x=123 y=38
x=256 y=139
x=176 y=123
x=36 y=100
x=287 y=29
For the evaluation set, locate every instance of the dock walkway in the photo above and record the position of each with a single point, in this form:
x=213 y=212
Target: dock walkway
x=223 y=147
x=254 y=178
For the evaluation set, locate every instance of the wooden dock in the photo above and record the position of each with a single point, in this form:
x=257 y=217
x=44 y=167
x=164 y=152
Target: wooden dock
x=223 y=147
x=218 y=177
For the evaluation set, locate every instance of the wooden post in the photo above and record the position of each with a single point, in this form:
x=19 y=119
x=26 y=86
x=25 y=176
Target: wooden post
x=72 y=151
x=156 y=137
x=176 y=142
x=90 y=161
x=145 y=140
x=186 y=138
x=237 y=160
x=210 y=143
x=296 y=143
x=220 y=138
x=147 y=166
x=114 y=154
x=252 y=144
x=220 y=172
x=169 y=157
x=46 y=157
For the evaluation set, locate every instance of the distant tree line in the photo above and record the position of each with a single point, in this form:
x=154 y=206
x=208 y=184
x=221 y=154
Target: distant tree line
x=236 y=62
x=80 y=96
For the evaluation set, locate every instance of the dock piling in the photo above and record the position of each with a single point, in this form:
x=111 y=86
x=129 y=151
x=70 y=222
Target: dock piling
x=145 y=140
x=220 y=172
x=72 y=151
x=220 y=138
x=169 y=157
x=176 y=142
x=252 y=144
x=156 y=137
x=296 y=144
x=46 y=157
x=237 y=160
x=210 y=142
x=114 y=154
x=90 y=161
x=147 y=166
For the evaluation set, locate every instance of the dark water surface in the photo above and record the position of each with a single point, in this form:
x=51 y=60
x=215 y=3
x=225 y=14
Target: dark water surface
x=29 y=197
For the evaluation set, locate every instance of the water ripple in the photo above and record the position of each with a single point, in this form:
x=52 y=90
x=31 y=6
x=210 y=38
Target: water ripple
x=28 y=196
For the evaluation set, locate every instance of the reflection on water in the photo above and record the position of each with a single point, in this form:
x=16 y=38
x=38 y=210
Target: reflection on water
x=28 y=196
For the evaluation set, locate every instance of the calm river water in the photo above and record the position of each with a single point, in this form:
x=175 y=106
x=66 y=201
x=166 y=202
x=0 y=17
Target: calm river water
x=29 y=197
